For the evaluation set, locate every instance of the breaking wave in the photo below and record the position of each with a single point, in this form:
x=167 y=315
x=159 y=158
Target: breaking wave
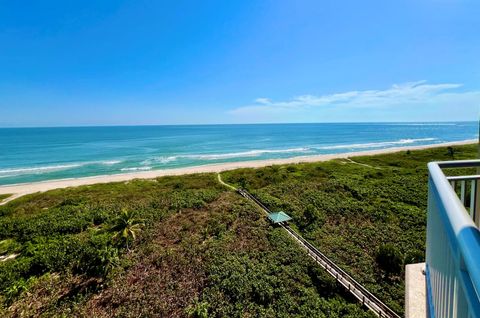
x=14 y=172
x=136 y=169
x=110 y=162
x=4 y=173
x=243 y=154
x=376 y=144
x=220 y=156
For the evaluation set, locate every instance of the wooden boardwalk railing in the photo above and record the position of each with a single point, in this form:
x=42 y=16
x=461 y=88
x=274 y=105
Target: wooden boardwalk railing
x=354 y=287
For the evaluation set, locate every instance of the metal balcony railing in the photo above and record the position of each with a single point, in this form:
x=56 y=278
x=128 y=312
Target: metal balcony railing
x=453 y=242
x=466 y=188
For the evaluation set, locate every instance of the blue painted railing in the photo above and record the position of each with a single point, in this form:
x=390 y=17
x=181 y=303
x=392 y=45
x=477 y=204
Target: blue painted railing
x=453 y=244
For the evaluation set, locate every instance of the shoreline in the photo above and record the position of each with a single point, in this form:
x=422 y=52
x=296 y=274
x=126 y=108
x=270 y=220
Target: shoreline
x=21 y=189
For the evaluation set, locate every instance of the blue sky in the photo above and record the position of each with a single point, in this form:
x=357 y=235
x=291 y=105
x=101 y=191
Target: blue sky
x=200 y=62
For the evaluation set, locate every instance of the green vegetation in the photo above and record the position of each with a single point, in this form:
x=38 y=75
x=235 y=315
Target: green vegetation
x=188 y=246
x=368 y=215
x=126 y=227
x=171 y=247
x=390 y=259
x=4 y=196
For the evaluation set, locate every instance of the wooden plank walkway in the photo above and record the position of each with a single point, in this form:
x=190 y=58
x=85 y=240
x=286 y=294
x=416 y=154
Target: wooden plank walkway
x=354 y=287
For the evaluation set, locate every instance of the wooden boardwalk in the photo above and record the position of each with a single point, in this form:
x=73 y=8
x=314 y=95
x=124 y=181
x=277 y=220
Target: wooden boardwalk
x=354 y=287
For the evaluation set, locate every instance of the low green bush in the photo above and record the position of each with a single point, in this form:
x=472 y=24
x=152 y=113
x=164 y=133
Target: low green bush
x=389 y=259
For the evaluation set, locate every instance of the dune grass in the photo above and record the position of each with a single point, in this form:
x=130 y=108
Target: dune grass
x=4 y=196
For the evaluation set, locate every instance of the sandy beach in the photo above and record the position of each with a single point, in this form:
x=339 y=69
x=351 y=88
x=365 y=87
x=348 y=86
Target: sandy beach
x=19 y=190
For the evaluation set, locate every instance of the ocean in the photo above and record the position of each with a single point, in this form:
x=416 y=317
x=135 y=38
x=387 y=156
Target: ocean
x=40 y=154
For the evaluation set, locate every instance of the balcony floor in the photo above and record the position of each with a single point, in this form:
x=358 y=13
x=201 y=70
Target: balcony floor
x=415 y=291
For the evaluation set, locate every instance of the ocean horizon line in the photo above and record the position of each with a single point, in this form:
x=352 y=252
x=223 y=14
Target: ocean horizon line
x=236 y=124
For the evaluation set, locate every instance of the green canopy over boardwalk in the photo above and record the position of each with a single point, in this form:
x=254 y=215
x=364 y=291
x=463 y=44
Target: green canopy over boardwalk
x=279 y=217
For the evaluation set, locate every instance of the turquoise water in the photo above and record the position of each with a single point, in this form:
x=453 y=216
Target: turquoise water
x=38 y=154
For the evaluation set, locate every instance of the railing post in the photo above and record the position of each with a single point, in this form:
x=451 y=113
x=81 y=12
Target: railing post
x=476 y=209
x=473 y=195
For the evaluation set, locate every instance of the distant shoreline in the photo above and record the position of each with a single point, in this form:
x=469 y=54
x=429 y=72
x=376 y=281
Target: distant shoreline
x=18 y=190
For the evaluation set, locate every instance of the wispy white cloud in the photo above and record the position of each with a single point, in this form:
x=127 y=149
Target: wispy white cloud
x=398 y=95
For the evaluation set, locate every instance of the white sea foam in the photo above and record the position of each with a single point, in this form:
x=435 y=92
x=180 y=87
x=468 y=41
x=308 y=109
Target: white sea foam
x=12 y=172
x=244 y=154
x=376 y=144
x=136 y=169
x=159 y=160
x=220 y=156
x=110 y=162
